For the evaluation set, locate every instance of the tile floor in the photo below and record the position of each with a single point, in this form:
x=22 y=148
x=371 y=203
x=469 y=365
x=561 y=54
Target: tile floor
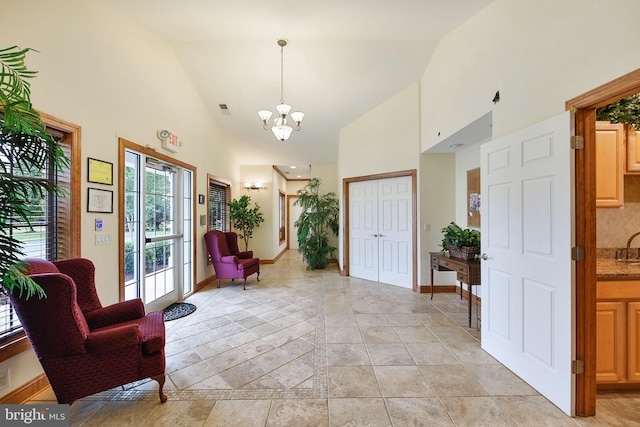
x=317 y=349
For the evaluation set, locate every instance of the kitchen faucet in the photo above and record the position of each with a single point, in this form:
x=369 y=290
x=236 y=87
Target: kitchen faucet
x=629 y=244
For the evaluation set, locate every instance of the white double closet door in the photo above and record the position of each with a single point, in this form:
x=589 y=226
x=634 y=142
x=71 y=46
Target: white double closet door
x=380 y=230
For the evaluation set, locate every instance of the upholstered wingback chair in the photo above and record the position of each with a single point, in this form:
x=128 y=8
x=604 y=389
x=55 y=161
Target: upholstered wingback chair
x=85 y=348
x=228 y=261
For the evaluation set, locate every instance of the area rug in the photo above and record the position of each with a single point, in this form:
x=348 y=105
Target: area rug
x=178 y=310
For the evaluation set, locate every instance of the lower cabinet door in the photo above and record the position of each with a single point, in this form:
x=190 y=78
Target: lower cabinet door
x=633 y=340
x=611 y=345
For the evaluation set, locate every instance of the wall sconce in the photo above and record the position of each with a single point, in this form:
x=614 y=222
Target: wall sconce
x=254 y=186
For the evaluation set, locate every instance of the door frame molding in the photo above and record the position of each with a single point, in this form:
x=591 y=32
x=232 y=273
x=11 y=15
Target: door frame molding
x=414 y=218
x=584 y=107
x=123 y=145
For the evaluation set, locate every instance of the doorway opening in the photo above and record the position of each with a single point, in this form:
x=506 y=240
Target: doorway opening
x=410 y=211
x=585 y=107
x=157 y=230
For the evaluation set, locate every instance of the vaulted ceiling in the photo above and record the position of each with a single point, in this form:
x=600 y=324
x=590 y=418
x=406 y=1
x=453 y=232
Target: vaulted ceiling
x=343 y=58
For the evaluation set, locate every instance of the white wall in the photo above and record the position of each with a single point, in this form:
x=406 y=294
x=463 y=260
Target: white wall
x=437 y=187
x=537 y=56
x=112 y=78
x=386 y=139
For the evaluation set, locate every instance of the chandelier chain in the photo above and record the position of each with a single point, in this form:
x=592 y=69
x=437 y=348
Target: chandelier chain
x=281 y=74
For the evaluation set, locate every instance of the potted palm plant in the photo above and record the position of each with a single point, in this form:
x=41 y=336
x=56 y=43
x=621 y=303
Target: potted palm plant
x=25 y=146
x=319 y=217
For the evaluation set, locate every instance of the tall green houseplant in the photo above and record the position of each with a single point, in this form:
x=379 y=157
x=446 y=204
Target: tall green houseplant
x=25 y=147
x=319 y=217
x=244 y=218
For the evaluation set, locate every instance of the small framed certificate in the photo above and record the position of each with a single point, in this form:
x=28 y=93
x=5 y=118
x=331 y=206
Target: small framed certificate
x=100 y=200
x=100 y=172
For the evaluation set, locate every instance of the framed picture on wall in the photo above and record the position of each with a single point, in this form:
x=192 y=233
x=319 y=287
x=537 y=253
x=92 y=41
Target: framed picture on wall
x=99 y=171
x=99 y=200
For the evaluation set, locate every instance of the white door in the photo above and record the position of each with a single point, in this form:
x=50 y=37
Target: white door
x=363 y=229
x=527 y=278
x=380 y=230
x=158 y=228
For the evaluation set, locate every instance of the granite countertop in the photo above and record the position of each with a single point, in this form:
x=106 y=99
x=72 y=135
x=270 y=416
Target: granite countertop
x=611 y=269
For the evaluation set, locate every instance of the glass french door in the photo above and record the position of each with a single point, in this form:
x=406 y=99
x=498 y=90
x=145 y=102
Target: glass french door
x=158 y=228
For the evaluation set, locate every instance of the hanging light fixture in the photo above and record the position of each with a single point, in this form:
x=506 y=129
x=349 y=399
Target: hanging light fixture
x=281 y=129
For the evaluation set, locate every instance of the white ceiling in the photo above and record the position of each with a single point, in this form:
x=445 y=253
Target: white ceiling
x=343 y=58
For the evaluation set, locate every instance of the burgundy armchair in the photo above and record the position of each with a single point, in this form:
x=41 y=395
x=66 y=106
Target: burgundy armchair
x=83 y=347
x=228 y=261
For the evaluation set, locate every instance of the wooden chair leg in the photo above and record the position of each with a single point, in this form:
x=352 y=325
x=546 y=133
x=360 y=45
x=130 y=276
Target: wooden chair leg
x=218 y=282
x=258 y=276
x=244 y=284
x=160 y=379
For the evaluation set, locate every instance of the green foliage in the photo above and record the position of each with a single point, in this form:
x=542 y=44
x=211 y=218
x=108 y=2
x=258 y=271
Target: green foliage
x=456 y=236
x=25 y=147
x=320 y=215
x=626 y=110
x=245 y=219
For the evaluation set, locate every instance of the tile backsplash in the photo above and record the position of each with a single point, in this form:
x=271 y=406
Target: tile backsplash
x=614 y=226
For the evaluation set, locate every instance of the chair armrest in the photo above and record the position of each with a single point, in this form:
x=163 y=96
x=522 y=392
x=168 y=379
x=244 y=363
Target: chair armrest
x=113 y=339
x=245 y=254
x=229 y=259
x=115 y=313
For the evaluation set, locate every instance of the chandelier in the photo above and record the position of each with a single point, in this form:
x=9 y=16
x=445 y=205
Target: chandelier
x=281 y=129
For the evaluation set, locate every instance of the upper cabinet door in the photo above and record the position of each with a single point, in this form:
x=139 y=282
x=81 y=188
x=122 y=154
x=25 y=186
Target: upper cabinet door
x=610 y=165
x=633 y=149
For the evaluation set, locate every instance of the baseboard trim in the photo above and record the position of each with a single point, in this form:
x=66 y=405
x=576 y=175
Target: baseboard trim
x=26 y=391
x=206 y=282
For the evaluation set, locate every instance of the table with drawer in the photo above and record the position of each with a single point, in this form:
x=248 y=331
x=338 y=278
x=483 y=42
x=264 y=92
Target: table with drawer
x=467 y=271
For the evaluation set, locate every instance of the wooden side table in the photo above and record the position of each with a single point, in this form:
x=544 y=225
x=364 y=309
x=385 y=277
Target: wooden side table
x=467 y=271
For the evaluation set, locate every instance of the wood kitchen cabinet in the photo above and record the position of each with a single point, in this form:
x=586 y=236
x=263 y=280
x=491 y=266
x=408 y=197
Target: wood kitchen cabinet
x=618 y=333
x=611 y=319
x=610 y=164
x=633 y=150
x=633 y=328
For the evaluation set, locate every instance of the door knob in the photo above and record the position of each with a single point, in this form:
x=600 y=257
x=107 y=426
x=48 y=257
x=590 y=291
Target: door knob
x=374 y=235
x=484 y=257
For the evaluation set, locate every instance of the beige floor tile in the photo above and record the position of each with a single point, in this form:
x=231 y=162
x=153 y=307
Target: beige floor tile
x=358 y=412
x=534 y=411
x=471 y=353
x=121 y=413
x=409 y=334
x=180 y=413
x=372 y=319
x=452 y=381
x=298 y=413
x=352 y=381
x=404 y=319
x=389 y=354
x=476 y=411
x=347 y=354
x=417 y=412
x=343 y=334
x=499 y=381
x=379 y=334
x=245 y=413
x=431 y=354
x=402 y=381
